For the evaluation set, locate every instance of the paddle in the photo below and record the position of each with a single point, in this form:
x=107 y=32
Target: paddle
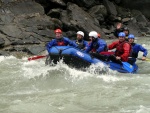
x=147 y=59
x=36 y=57
x=125 y=65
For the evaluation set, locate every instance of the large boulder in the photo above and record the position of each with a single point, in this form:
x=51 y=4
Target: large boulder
x=111 y=8
x=2 y=42
x=142 y=5
x=99 y=12
x=11 y=30
x=82 y=20
x=86 y=3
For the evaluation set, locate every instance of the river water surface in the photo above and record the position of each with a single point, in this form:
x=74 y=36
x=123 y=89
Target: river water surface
x=32 y=87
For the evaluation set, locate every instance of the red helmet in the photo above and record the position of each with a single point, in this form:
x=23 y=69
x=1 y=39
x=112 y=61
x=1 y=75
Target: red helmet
x=58 y=31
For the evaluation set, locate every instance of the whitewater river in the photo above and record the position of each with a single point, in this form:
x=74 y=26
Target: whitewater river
x=32 y=87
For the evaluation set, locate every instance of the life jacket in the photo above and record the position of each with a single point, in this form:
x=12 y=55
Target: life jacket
x=61 y=42
x=132 y=53
x=119 y=48
x=95 y=46
x=80 y=44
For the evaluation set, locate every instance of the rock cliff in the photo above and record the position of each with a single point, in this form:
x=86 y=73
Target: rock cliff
x=26 y=26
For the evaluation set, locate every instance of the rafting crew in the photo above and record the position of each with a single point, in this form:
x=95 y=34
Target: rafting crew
x=125 y=50
x=82 y=44
x=136 y=48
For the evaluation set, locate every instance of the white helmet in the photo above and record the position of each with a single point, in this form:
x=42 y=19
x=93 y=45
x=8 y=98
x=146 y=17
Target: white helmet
x=80 y=33
x=93 y=34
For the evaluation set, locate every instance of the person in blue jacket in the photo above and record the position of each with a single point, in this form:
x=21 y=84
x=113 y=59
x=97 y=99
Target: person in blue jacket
x=82 y=44
x=96 y=45
x=135 y=49
x=60 y=40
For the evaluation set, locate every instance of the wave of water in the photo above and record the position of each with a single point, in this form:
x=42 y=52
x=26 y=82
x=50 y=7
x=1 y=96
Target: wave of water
x=32 y=87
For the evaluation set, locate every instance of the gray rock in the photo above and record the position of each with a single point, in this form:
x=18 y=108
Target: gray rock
x=82 y=20
x=86 y=3
x=42 y=39
x=46 y=33
x=7 y=18
x=123 y=12
x=36 y=21
x=11 y=30
x=18 y=49
x=6 y=1
x=54 y=13
x=99 y=12
x=111 y=8
x=71 y=34
x=136 y=13
x=134 y=28
x=141 y=18
x=65 y=18
x=35 y=50
x=56 y=22
x=60 y=2
x=106 y=31
x=2 y=42
x=142 y=5
x=27 y=7
x=117 y=1
x=126 y=20
x=4 y=53
x=145 y=30
x=26 y=40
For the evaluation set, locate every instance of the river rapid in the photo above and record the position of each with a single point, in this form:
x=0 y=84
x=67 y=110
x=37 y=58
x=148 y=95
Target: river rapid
x=32 y=87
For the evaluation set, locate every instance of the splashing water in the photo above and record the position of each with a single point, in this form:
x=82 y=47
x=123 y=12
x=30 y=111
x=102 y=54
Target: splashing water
x=32 y=87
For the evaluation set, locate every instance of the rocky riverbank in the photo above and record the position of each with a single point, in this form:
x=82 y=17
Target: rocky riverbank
x=27 y=25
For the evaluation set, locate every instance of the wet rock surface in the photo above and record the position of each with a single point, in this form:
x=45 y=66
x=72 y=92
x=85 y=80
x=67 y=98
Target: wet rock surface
x=28 y=25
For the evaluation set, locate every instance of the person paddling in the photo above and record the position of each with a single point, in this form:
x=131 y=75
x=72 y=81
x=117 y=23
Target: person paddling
x=60 y=40
x=123 y=49
x=96 y=45
x=136 y=48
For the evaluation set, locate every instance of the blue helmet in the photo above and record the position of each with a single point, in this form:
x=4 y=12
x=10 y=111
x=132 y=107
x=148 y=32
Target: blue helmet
x=131 y=36
x=121 y=34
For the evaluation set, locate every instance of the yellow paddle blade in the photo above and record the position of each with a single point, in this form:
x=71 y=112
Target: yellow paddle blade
x=147 y=59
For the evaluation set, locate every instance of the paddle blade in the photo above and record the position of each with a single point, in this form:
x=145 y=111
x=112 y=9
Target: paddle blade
x=128 y=67
x=147 y=59
x=36 y=57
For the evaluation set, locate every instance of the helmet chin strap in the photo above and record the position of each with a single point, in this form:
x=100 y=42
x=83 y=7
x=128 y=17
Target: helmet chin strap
x=94 y=39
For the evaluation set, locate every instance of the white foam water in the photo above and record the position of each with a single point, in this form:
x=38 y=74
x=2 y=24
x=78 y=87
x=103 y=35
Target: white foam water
x=32 y=87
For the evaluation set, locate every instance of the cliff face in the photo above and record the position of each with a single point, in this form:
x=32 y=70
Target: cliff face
x=141 y=5
x=28 y=25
